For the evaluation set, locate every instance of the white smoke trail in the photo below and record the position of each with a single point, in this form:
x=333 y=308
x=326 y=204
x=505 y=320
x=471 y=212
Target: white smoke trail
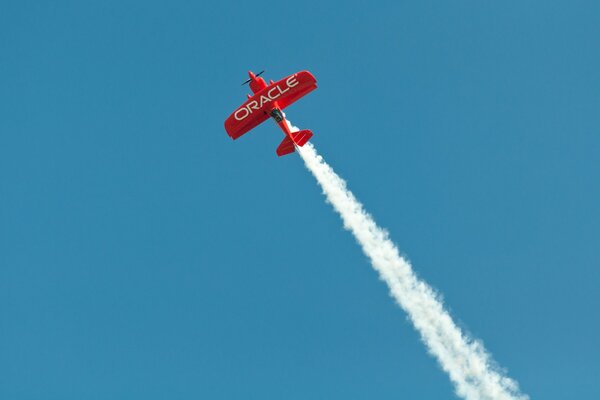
x=469 y=366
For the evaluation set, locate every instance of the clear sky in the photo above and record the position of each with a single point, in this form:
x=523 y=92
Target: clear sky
x=145 y=255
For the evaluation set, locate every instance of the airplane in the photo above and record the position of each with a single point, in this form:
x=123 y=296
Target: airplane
x=269 y=101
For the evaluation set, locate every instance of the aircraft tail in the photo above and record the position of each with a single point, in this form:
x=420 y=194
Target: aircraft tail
x=298 y=138
x=285 y=147
x=301 y=137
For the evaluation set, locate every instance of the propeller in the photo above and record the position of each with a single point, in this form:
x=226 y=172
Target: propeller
x=257 y=75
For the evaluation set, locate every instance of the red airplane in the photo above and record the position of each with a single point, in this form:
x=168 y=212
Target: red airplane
x=268 y=101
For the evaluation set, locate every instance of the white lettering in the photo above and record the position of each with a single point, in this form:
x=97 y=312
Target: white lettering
x=282 y=91
x=263 y=99
x=238 y=111
x=271 y=95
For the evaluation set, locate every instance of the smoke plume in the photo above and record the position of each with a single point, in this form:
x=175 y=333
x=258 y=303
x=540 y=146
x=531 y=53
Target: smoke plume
x=469 y=366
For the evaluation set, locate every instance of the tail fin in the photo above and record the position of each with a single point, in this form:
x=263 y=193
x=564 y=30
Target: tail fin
x=296 y=138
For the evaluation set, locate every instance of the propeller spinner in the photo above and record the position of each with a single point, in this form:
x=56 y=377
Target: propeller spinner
x=256 y=76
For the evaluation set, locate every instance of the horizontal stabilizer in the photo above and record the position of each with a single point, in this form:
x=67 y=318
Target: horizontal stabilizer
x=288 y=144
x=301 y=137
x=285 y=147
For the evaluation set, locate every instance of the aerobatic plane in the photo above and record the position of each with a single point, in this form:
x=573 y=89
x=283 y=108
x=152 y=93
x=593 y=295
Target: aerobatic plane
x=269 y=101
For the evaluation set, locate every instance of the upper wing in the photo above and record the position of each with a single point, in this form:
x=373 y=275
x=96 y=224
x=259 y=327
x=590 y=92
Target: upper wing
x=299 y=85
x=246 y=117
x=279 y=94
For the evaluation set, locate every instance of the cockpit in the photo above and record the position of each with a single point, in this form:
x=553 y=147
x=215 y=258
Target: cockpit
x=277 y=115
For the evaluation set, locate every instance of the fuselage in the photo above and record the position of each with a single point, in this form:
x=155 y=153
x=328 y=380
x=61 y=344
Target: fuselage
x=269 y=100
x=257 y=84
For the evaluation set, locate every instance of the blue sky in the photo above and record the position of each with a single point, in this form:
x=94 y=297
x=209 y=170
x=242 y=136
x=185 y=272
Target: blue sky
x=144 y=255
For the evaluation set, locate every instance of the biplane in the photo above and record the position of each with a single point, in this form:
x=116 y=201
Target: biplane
x=270 y=101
